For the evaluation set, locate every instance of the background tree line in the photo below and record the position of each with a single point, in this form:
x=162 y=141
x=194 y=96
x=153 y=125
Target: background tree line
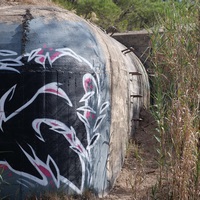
x=125 y=15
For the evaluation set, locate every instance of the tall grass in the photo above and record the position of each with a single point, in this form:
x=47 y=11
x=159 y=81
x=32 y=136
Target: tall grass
x=176 y=62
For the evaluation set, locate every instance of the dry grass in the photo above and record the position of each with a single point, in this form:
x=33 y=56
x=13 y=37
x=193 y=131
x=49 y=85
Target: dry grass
x=177 y=97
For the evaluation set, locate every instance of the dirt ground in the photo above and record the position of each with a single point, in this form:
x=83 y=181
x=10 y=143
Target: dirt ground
x=140 y=170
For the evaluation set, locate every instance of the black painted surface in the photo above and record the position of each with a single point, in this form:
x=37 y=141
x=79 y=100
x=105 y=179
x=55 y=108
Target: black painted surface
x=54 y=108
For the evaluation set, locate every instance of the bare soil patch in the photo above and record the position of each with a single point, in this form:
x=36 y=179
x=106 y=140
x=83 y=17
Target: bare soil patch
x=140 y=171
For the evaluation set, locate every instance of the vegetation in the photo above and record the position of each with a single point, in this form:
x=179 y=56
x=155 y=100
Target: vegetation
x=125 y=15
x=176 y=59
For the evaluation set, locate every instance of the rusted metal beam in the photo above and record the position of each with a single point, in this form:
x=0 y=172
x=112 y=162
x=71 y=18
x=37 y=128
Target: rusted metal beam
x=128 y=50
x=136 y=95
x=135 y=73
x=137 y=119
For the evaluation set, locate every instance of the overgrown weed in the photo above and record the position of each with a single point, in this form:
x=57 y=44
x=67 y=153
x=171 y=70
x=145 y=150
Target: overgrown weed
x=136 y=179
x=87 y=195
x=175 y=57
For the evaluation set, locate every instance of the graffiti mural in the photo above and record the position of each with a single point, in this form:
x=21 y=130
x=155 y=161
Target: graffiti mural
x=51 y=119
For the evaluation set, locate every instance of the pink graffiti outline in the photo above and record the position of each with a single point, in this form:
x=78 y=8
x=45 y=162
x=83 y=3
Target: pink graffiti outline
x=40 y=57
x=91 y=88
x=70 y=135
x=59 y=127
x=51 y=88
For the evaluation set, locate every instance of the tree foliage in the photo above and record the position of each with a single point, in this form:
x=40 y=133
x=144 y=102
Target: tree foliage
x=105 y=10
x=139 y=14
x=125 y=15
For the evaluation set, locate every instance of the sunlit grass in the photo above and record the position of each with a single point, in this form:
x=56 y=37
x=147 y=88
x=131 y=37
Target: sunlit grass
x=176 y=64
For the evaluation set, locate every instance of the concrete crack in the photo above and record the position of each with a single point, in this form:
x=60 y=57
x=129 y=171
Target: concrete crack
x=25 y=27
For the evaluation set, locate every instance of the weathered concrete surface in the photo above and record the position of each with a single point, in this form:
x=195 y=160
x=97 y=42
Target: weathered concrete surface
x=124 y=108
x=69 y=99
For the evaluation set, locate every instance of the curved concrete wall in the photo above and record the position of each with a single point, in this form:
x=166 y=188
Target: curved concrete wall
x=69 y=100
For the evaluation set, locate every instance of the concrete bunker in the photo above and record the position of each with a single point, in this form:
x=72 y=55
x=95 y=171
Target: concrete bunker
x=70 y=98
